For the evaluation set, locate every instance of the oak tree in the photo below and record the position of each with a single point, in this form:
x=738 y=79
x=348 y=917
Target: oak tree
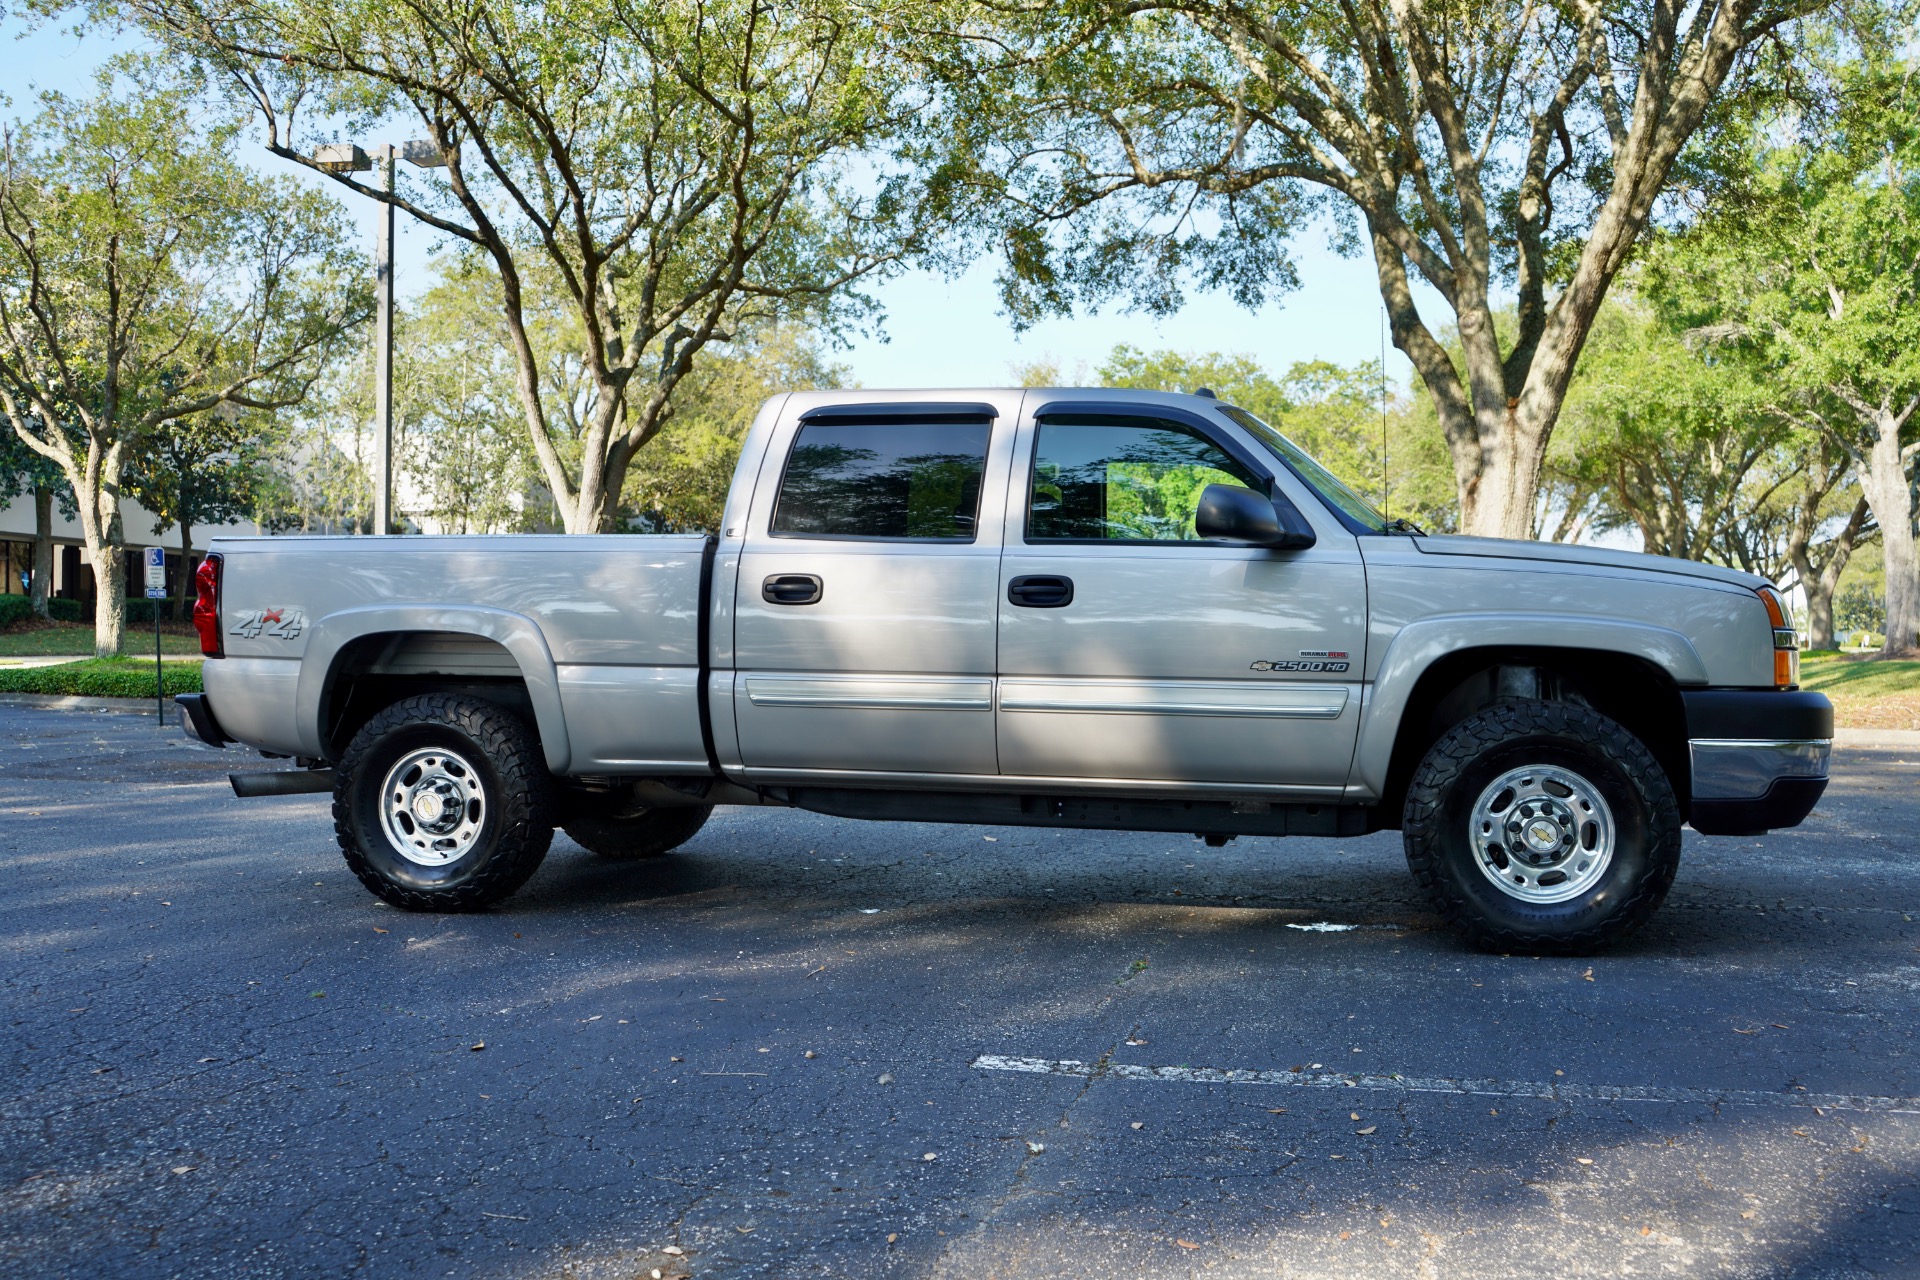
x=1506 y=153
x=146 y=277
x=674 y=173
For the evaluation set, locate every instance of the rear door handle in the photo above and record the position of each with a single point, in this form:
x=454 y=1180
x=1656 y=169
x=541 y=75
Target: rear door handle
x=1040 y=591
x=792 y=588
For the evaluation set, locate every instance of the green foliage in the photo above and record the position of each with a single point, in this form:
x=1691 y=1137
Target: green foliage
x=202 y=470
x=63 y=609
x=126 y=677
x=147 y=277
x=1669 y=433
x=14 y=609
x=23 y=469
x=1487 y=151
x=1858 y=607
x=1814 y=276
x=679 y=483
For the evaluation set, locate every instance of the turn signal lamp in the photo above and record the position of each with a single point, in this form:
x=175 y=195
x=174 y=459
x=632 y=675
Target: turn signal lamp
x=206 y=606
x=1786 y=645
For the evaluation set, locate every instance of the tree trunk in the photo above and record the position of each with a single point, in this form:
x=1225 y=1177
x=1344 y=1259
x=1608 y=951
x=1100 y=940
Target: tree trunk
x=1498 y=502
x=106 y=545
x=42 y=548
x=1890 y=496
x=1821 y=583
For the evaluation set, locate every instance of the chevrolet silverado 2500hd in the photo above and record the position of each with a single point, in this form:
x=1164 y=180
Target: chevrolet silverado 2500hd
x=1071 y=608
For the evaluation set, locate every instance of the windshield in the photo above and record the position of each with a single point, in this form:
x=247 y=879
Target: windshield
x=1359 y=513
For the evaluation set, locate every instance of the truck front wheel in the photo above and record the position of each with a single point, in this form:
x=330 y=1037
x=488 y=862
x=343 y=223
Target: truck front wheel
x=1542 y=827
x=443 y=803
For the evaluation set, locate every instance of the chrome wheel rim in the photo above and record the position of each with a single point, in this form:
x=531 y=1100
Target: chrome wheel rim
x=1542 y=834
x=434 y=807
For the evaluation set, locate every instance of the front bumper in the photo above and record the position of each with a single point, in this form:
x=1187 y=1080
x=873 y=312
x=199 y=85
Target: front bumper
x=1759 y=758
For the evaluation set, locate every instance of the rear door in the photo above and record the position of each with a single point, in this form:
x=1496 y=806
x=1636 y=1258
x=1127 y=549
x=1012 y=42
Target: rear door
x=864 y=620
x=1130 y=649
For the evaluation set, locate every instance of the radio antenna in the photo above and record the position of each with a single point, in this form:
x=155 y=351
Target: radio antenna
x=1383 y=411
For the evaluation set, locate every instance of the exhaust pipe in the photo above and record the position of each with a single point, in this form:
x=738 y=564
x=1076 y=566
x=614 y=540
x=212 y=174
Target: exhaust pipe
x=283 y=782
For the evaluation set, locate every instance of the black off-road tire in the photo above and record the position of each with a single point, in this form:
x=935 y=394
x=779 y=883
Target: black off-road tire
x=648 y=833
x=517 y=822
x=1437 y=826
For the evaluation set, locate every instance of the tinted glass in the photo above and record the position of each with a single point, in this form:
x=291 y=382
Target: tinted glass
x=883 y=480
x=1133 y=481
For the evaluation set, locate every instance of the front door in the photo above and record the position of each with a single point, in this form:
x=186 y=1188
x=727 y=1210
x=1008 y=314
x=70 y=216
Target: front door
x=864 y=611
x=1130 y=649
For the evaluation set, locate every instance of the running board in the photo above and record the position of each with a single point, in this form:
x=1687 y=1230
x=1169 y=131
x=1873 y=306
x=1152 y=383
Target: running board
x=1215 y=818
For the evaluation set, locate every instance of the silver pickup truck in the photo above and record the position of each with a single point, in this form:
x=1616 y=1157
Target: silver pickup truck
x=1068 y=608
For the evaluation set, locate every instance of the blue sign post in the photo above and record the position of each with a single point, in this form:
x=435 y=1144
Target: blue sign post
x=156 y=565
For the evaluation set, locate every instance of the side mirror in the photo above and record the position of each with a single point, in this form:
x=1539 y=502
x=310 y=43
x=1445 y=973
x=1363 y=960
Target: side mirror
x=1228 y=513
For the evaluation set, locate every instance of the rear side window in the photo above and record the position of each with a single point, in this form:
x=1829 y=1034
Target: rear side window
x=1138 y=480
x=896 y=480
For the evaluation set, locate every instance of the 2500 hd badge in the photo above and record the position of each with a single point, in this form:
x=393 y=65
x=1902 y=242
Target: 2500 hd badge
x=1329 y=660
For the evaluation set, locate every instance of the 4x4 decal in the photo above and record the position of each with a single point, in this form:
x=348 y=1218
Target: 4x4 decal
x=275 y=624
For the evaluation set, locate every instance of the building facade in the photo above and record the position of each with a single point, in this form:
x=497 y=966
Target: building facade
x=72 y=575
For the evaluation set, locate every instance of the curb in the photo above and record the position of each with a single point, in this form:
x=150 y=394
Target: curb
x=1876 y=737
x=66 y=702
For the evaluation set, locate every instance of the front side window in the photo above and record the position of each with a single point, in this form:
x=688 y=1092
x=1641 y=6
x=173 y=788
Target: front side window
x=1136 y=480
x=1359 y=514
x=894 y=480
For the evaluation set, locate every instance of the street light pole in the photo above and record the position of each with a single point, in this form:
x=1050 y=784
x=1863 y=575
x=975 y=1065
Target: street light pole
x=347 y=157
x=383 y=352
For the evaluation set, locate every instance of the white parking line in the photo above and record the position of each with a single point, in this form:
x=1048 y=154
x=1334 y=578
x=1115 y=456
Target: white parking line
x=1558 y=1091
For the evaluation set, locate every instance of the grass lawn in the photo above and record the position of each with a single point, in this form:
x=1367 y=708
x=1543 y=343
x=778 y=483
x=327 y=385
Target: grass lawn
x=54 y=639
x=101 y=678
x=1867 y=693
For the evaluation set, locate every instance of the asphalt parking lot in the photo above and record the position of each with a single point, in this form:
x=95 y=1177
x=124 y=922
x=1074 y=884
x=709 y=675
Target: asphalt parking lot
x=809 y=1047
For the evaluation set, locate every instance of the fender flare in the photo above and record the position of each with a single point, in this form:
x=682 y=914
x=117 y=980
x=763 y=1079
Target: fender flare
x=1420 y=644
x=518 y=634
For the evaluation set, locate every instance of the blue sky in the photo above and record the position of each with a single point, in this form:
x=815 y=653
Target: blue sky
x=951 y=332
x=937 y=331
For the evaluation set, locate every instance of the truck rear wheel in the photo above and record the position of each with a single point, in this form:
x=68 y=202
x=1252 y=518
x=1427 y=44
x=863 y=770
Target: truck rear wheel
x=1542 y=827
x=443 y=803
x=644 y=833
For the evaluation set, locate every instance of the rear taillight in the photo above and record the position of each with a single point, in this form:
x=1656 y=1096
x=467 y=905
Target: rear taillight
x=1786 y=645
x=206 y=606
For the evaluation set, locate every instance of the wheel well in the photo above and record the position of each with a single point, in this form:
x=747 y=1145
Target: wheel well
x=375 y=671
x=1637 y=694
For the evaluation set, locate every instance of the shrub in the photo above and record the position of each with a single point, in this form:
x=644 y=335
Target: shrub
x=61 y=609
x=101 y=678
x=14 y=610
x=140 y=611
x=1858 y=607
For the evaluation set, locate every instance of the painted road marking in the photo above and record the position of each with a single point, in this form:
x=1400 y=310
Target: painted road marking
x=1557 y=1092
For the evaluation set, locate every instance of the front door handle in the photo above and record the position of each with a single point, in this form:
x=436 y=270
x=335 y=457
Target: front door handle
x=791 y=588
x=1040 y=591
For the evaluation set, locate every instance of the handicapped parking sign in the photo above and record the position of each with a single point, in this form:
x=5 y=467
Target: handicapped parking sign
x=156 y=561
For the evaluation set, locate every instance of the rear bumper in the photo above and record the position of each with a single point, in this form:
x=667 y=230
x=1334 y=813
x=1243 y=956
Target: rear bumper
x=1759 y=758
x=197 y=715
